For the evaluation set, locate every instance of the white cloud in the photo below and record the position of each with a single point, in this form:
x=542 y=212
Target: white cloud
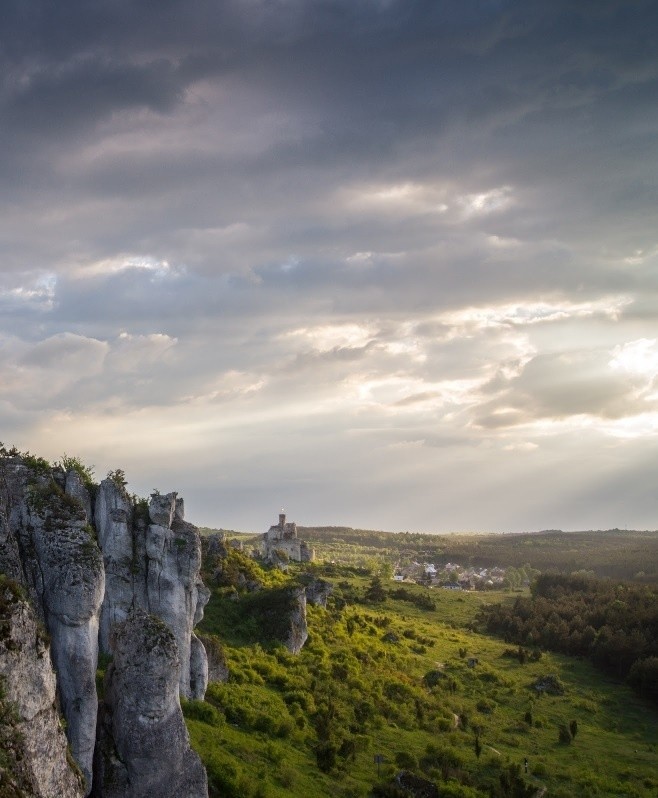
x=636 y=357
x=326 y=337
x=486 y=202
x=531 y=312
x=158 y=268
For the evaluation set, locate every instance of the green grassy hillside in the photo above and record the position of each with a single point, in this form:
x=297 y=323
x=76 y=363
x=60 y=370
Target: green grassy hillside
x=392 y=678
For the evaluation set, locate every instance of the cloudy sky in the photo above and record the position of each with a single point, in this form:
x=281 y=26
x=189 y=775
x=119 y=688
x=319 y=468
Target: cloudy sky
x=384 y=263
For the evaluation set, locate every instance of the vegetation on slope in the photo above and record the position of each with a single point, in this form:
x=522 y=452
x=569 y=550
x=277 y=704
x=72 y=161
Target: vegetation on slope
x=614 y=625
x=409 y=679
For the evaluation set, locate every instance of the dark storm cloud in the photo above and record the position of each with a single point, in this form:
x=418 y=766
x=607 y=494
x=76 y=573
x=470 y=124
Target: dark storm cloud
x=501 y=92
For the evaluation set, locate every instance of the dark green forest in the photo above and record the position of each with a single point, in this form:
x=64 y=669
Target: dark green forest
x=614 y=625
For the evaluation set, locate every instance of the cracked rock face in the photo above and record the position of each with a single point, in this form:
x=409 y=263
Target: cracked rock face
x=176 y=594
x=40 y=743
x=114 y=516
x=155 y=567
x=144 y=748
x=298 y=633
x=89 y=569
x=63 y=572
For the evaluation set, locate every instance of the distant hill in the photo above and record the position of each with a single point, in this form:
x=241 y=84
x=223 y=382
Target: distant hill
x=615 y=553
x=627 y=554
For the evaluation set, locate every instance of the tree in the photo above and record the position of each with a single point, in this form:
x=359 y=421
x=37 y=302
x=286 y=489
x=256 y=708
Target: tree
x=644 y=677
x=564 y=735
x=375 y=591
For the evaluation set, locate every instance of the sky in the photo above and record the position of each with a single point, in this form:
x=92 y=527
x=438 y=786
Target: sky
x=389 y=264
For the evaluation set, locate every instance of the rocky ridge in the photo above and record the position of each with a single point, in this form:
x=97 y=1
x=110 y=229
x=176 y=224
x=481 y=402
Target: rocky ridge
x=97 y=570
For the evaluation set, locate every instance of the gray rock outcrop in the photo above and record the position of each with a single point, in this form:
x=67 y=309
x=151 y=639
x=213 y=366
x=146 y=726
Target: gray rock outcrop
x=89 y=569
x=153 y=563
x=298 y=631
x=144 y=748
x=318 y=591
x=217 y=665
x=113 y=513
x=62 y=569
x=38 y=748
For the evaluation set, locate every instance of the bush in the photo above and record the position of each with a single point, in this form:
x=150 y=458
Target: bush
x=406 y=761
x=485 y=706
x=643 y=677
x=85 y=472
x=564 y=735
x=200 y=710
x=325 y=755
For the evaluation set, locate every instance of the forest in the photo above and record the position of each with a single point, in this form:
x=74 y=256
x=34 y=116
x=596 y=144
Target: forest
x=614 y=625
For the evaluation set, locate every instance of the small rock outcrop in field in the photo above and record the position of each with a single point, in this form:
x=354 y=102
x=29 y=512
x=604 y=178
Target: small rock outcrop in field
x=318 y=591
x=298 y=629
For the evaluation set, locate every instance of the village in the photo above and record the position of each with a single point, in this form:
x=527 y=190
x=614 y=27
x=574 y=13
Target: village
x=452 y=576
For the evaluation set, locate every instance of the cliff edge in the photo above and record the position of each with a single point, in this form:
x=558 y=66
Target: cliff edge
x=92 y=562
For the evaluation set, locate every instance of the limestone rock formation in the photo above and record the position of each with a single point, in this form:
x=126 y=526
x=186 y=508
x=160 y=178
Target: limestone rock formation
x=144 y=748
x=318 y=591
x=114 y=516
x=61 y=567
x=217 y=665
x=298 y=632
x=35 y=744
x=88 y=567
x=156 y=567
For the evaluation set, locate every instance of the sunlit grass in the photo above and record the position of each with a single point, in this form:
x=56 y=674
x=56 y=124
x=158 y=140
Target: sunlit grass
x=358 y=686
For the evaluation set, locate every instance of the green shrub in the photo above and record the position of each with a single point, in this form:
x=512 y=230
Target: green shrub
x=485 y=706
x=406 y=761
x=564 y=735
x=203 y=711
x=85 y=472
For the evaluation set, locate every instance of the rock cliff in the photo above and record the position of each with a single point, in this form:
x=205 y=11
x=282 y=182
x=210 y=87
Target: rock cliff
x=142 y=724
x=90 y=567
x=31 y=737
x=152 y=562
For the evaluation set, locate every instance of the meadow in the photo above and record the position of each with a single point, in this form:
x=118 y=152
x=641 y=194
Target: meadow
x=385 y=684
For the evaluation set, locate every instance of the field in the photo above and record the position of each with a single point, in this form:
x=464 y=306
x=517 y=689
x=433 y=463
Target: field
x=422 y=690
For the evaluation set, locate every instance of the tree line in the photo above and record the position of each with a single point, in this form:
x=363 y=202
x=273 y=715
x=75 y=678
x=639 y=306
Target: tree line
x=614 y=553
x=613 y=624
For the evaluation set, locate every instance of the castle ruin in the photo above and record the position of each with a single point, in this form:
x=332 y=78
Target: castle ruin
x=281 y=542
